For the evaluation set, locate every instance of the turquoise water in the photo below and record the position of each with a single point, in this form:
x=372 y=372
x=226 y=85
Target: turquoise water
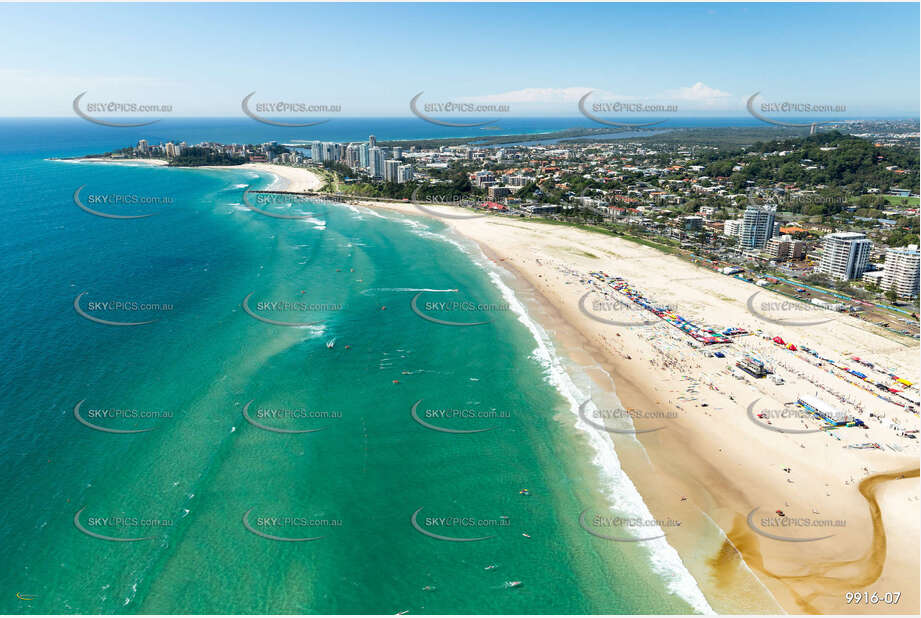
x=183 y=487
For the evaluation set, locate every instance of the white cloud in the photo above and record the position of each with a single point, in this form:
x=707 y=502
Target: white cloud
x=698 y=93
x=533 y=95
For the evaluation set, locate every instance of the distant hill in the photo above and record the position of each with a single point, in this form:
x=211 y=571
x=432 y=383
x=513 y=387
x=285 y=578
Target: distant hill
x=830 y=158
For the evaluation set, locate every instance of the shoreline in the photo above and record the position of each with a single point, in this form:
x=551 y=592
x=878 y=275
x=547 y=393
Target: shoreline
x=286 y=178
x=569 y=347
x=709 y=464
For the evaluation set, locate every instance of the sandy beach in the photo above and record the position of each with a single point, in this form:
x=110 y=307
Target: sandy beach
x=849 y=514
x=287 y=178
x=154 y=162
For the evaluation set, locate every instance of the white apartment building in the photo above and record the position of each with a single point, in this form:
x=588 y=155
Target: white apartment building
x=757 y=227
x=517 y=180
x=404 y=173
x=845 y=255
x=901 y=273
x=351 y=155
x=484 y=178
x=172 y=150
x=732 y=227
x=785 y=247
x=391 y=167
x=376 y=162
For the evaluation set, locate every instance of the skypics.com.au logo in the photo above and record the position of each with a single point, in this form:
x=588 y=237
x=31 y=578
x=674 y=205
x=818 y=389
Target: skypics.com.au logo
x=455 y=107
x=96 y=110
x=257 y=111
x=429 y=202
x=454 y=307
x=120 y=201
x=451 y=527
x=624 y=110
x=288 y=528
x=781 y=108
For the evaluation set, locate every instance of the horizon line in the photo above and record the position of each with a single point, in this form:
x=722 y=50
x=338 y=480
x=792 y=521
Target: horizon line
x=895 y=116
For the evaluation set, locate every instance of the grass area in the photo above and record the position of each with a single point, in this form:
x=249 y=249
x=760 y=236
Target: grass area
x=902 y=201
x=893 y=200
x=330 y=179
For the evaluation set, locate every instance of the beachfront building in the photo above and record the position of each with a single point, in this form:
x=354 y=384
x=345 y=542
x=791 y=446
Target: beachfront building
x=172 y=150
x=901 y=273
x=757 y=227
x=874 y=276
x=782 y=248
x=143 y=146
x=845 y=255
x=376 y=162
x=516 y=180
x=390 y=170
x=732 y=227
x=351 y=156
x=404 y=173
x=325 y=151
x=484 y=178
x=692 y=223
x=496 y=193
x=316 y=151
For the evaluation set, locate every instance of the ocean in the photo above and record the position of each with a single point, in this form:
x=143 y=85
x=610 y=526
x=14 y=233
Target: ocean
x=330 y=446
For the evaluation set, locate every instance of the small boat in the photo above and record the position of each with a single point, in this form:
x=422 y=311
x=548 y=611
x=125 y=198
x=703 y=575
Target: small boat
x=428 y=588
x=526 y=535
x=524 y=492
x=331 y=343
x=490 y=567
x=512 y=584
x=405 y=611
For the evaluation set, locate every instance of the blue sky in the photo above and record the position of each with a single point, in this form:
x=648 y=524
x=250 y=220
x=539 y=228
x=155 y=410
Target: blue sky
x=536 y=58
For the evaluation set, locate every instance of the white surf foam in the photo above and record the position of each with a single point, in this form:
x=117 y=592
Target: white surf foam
x=620 y=490
x=372 y=290
x=318 y=224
